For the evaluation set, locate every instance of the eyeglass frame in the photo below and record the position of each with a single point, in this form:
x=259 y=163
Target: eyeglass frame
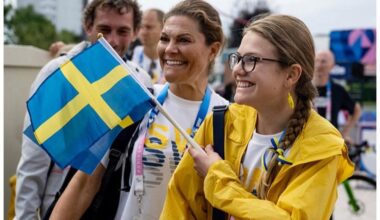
x=256 y=59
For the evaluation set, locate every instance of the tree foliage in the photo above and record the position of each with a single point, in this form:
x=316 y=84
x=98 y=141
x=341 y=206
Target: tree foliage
x=30 y=28
x=8 y=33
x=68 y=36
x=7 y=13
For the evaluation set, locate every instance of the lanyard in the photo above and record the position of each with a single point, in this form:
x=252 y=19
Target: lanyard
x=202 y=112
x=328 y=104
x=141 y=58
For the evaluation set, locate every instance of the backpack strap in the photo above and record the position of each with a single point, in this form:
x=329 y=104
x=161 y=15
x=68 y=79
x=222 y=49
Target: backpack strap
x=218 y=128
x=51 y=166
x=128 y=164
x=218 y=131
x=66 y=182
x=118 y=147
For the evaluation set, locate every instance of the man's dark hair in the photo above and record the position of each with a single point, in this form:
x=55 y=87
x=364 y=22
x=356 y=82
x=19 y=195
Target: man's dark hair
x=119 y=5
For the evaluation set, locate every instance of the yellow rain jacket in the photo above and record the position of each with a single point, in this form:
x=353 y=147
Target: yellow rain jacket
x=307 y=189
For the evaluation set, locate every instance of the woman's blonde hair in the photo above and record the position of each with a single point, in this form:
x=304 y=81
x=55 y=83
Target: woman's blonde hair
x=294 y=45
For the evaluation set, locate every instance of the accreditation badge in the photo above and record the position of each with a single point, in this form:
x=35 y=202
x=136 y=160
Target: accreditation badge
x=320 y=102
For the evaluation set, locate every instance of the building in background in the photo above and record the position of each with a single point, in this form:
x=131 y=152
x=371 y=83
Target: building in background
x=64 y=14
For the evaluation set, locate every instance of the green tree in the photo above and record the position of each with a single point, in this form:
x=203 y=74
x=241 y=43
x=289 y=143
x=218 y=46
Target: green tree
x=8 y=33
x=31 y=28
x=27 y=27
x=68 y=36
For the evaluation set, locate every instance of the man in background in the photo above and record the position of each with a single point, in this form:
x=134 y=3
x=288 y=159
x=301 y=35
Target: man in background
x=332 y=96
x=146 y=55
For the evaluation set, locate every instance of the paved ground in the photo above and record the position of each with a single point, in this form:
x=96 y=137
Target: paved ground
x=365 y=195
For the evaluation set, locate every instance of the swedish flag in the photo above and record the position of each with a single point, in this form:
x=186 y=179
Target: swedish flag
x=79 y=109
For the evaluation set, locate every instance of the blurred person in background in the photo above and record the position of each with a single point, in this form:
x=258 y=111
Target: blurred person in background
x=333 y=97
x=55 y=48
x=227 y=88
x=59 y=48
x=146 y=55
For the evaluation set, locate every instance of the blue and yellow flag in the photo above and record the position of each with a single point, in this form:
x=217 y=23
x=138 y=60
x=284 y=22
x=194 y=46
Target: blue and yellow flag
x=77 y=112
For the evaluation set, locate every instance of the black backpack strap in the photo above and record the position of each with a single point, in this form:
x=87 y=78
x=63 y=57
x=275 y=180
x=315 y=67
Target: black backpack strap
x=218 y=131
x=218 y=128
x=118 y=147
x=128 y=164
x=114 y=157
x=51 y=166
x=66 y=182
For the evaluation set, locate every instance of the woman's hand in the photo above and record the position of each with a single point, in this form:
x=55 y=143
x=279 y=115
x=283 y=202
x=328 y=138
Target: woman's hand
x=202 y=162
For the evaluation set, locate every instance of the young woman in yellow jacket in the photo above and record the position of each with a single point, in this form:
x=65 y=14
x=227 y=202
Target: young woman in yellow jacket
x=282 y=160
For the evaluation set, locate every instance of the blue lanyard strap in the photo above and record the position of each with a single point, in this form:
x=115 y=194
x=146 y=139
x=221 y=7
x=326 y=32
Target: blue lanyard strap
x=141 y=58
x=160 y=98
x=328 y=89
x=329 y=103
x=202 y=112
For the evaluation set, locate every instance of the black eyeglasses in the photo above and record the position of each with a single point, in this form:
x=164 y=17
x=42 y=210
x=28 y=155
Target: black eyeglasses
x=248 y=61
